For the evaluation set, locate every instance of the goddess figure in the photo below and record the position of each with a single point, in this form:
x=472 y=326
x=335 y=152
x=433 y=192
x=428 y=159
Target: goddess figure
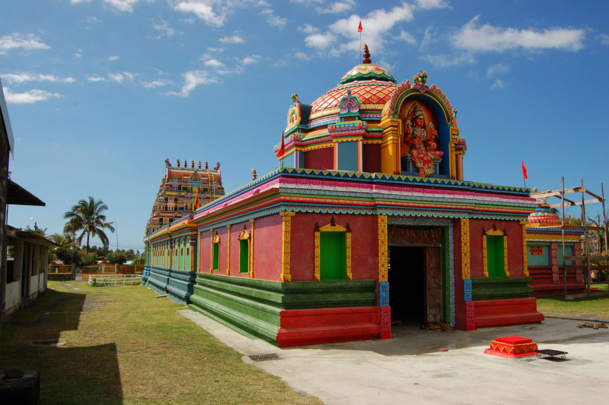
x=424 y=143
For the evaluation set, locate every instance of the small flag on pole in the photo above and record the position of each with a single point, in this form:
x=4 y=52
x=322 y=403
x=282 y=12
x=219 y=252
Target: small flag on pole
x=524 y=171
x=360 y=29
x=194 y=208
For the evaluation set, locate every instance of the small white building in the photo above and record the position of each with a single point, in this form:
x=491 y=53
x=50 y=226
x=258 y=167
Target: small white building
x=27 y=271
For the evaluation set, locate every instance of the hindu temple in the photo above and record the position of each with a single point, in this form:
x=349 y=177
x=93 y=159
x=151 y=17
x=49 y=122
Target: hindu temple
x=368 y=223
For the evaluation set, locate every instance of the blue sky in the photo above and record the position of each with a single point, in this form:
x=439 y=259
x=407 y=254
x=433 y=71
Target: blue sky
x=101 y=92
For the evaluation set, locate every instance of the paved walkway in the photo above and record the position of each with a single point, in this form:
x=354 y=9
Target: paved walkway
x=432 y=367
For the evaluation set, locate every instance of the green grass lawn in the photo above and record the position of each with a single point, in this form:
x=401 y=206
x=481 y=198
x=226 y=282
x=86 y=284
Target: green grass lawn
x=126 y=347
x=585 y=308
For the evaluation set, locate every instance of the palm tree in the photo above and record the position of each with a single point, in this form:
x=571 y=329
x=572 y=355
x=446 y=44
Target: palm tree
x=88 y=217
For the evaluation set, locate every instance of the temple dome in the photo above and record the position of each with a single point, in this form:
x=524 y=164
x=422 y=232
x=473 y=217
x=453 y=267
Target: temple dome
x=367 y=71
x=544 y=215
x=370 y=83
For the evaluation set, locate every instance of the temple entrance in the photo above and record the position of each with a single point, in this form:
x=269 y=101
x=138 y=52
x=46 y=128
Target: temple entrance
x=415 y=275
x=407 y=284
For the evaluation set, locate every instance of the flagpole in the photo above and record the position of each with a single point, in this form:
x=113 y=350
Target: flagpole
x=359 y=29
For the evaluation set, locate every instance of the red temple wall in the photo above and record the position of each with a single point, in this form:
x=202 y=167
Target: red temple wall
x=515 y=245
x=372 y=158
x=364 y=244
x=320 y=159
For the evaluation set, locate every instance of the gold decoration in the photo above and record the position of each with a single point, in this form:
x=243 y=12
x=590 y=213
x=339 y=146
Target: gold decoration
x=251 y=249
x=286 y=231
x=228 y=250
x=465 y=250
x=383 y=248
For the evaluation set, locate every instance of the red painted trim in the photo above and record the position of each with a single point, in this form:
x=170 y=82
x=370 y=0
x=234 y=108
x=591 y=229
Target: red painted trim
x=515 y=311
x=300 y=327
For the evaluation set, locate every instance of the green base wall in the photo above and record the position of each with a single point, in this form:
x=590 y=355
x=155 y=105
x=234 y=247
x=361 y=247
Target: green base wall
x=254 y=306
x=501 y=288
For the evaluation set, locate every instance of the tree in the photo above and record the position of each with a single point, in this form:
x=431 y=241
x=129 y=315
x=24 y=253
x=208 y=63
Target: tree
x=88 y=217
x=67 y=251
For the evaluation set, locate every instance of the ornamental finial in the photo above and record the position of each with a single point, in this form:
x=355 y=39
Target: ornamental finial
x=366 y=55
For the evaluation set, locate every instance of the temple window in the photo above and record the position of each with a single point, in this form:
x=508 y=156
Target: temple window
x=244 y=251
x=494 y=250
x=332 y=252
x=215 y=251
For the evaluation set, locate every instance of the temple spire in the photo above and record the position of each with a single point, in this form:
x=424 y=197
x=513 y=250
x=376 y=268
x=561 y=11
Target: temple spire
x=366 y=55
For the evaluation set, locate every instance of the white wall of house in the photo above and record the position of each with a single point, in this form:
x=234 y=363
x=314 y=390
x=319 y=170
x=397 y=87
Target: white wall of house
x=12 y=298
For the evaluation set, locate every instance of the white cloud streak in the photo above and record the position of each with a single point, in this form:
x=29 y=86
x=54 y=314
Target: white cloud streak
x=25 y=77
x=156 y=83
x=192 y=80
x=25 y=42
x=28 y=97
x=233 y=39
x=209 y=11
x=337 y=7
x=488 y=38
x=344 y=31
x=116 y=5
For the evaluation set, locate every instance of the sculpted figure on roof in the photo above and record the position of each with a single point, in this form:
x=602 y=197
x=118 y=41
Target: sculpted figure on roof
x=423 y=141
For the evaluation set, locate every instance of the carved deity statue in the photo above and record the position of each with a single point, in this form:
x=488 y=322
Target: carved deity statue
x=423 y=141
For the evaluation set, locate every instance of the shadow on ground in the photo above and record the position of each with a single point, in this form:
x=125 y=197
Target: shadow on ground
x=31 y=339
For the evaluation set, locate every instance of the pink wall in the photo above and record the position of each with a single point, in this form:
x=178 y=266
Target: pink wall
x=267 y=248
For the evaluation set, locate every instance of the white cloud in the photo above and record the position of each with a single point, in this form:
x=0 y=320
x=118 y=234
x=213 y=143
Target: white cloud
x=375 y=25
x=24 y=77
x=234 y=39
x=29 y=97
x=488 y=38
x=498 y=84
x=95 y=79
x=216 y=49
x=206 y=10
x=405 y=36
x=338 y=7
x=120 y=77
x=498 y=69
x=214 y=63
x=308 y=29
x=249 y=60
x=117 y=5
x=27 y=42
x=113 y=58
x=164 y=28
x=192 y=80
x=156 y=83
x=444 y=61
x=272 y=19
x=604 y=39
x=430 y=4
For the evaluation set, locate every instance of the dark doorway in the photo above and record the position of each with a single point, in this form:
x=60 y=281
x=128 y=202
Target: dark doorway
x=407 y=284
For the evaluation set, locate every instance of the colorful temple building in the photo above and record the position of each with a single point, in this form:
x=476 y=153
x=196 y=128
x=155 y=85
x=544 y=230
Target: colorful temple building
x=545 y=254
x=183 y=190
x=367 y=221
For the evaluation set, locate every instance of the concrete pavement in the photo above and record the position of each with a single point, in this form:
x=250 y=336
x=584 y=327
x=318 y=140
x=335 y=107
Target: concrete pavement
x=431 y=367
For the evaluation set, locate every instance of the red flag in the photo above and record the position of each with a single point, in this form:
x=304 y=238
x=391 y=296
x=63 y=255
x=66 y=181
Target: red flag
x=359 y=29
x=281 y=150
x=524 y=170
x=194 y=209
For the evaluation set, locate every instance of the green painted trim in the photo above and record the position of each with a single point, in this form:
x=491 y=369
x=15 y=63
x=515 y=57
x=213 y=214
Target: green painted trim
x=501 y=288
